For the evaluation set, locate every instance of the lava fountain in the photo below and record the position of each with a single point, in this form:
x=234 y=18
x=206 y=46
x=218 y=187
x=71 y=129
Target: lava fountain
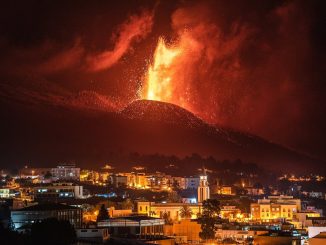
x=160 y=73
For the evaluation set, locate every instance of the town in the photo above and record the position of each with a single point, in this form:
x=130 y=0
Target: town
x=140 y=207
x=168 y=122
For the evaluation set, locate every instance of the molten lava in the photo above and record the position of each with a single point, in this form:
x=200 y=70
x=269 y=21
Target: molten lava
x=174 y=67
x=159 y=75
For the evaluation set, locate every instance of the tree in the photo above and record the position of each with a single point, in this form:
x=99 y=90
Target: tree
x=127 y=204
x=47 y=175
x=167 y=218
x=53 y=231
x=173 y=196
x=209 y=219
x=102 y=214
x=186 y=212
x=9 y=236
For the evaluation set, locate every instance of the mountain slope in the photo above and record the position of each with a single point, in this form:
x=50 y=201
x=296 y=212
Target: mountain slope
x=48 y=134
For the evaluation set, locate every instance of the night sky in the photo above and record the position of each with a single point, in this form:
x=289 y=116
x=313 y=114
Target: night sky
x=257 y=66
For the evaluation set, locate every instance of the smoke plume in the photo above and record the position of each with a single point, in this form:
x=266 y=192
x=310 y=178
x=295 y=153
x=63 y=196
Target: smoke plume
x=134 y=29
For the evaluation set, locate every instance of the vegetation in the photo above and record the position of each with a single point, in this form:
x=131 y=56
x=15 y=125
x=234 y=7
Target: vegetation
x=48 y=231
x=47 y=175
x=185 y=212
x=167 y=218
x=173 y=196
x=102 y=214
x=9 y=237
x=209 y=219
x=52 y=231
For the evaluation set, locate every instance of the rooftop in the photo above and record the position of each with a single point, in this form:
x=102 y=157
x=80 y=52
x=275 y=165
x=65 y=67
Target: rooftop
x=135 y=218
x=128 y=221
x=47 y=206
x=321 y=235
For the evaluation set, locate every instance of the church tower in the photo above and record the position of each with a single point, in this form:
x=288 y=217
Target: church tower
x=203 y=188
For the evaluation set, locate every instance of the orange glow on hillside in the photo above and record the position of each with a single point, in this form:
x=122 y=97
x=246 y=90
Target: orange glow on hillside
x=159 y=75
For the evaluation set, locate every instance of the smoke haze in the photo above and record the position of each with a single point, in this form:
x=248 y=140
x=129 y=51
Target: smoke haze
x=256 y=66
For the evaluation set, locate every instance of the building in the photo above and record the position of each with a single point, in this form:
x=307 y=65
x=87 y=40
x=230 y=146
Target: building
x=186 y=229
x=141 y=180
x=119 y=180
x=254 y=191
x=192 y=182
x=140 y=226
x=226 y=190
x=302 y=217
x=240 y=236
x=66 y=172
x=231 y=213
x=203 y=189
x=119 y=212
x=315 y=230
x=278 y=237
x=275 y=207
x=160 y=181
x=189 y=200
x=134 y=180
x=319 y=239
x=172 y=210
x=179 y=182
x=90 y=176
x=96 y=235
x=32 y=173
x=315 y=221
x=58 y=190
x=8 y=193
x=35 y=213
x=316 y=194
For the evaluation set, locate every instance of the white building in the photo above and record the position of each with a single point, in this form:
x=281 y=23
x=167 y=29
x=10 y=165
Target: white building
x=66 y=172
x=203 y=189
x=59 y=190
x=8 y=193
x=98 y=235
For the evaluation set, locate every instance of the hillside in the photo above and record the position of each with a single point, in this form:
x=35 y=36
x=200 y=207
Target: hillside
x=51 y=134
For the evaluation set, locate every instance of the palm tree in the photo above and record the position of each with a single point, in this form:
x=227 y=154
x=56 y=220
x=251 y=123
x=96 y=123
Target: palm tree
x=167 y=218
x=186 y=212
x=102 y=214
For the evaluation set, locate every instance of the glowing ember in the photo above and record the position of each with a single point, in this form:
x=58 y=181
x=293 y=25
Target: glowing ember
x=158 y=78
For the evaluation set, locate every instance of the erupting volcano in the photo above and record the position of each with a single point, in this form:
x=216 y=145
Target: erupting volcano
x=167 y=77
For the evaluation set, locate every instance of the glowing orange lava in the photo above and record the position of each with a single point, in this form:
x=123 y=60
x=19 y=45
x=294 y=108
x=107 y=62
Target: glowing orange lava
x=160 y=73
